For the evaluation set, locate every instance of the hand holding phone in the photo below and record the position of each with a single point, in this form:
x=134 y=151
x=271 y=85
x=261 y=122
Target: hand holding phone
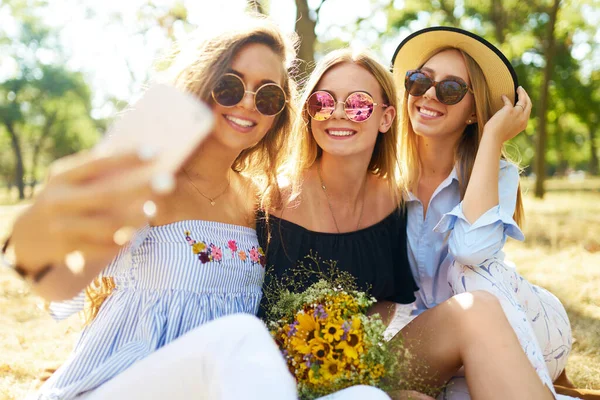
x=90 y=198
x=165 y=121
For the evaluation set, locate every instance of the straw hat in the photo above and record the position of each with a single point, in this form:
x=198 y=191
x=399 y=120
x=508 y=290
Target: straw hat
x=417 y=48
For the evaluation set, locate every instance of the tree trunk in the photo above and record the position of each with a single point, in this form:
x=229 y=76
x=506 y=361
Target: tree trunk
x=449 y=9
x=498 y=16
x=305 y=28
x=594 y=166
x=255 y=5
x=19 y=169
x=540 y=148
x=562 y=163
x=37 y=148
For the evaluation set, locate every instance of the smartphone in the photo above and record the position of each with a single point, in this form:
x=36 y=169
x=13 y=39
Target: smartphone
x=166 y=120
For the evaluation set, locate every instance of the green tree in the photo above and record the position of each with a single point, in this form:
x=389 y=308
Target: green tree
x=536 y=36
x=34 y=96
x=257 y=6
x=306 y=23
x=549 y=50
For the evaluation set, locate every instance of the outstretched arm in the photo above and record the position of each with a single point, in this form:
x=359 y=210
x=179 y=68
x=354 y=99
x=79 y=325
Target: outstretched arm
x=81 y=208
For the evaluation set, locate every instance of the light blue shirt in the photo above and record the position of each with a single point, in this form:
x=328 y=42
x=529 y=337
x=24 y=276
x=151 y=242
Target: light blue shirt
x=444 y=234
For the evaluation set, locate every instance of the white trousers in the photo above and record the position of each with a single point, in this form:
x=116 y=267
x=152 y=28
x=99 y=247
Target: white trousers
x=536 y=315
x=233 y=357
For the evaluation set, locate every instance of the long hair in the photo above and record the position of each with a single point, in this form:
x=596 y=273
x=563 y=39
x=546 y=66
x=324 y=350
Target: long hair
x=195 y=67
x=304 y=149
x=468 y=144
x=198 y=65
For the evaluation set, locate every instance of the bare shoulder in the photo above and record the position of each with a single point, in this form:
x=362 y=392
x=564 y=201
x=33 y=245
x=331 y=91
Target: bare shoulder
x=379 y=200
x=245 y=184
x=246 y=200
x=293 y=208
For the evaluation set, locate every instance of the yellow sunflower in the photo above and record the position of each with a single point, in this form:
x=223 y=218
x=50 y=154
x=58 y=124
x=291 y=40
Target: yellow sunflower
x=331 y=370
x=336 y=355
x=332 y=332
x=319 y=348
x=306 y=324
x=352 y=346
x=300 y=345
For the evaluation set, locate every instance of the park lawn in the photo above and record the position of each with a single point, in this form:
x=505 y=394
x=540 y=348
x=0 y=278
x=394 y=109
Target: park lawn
x=561 y=253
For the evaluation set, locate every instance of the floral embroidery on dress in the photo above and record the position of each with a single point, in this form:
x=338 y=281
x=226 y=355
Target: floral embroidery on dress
x=208 y=252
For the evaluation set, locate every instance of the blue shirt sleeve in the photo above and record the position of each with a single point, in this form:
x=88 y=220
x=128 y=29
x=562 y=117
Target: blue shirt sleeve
x=472 y=244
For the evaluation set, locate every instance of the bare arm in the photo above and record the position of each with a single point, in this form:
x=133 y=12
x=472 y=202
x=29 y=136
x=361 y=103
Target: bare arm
x=482 y=190
x=80 y=209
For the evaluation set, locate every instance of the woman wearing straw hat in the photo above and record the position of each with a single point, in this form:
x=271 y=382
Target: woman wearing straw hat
x=346 y=153
x=461 y=103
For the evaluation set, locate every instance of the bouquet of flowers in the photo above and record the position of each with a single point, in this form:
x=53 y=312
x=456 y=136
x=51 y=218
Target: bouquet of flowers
x=327 y=338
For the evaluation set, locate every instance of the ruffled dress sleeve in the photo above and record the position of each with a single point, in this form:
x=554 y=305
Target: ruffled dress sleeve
x=473 y=244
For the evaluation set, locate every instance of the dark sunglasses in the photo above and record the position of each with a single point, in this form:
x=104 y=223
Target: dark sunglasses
x=358 y=106
x=448 y=91
x=269 y=99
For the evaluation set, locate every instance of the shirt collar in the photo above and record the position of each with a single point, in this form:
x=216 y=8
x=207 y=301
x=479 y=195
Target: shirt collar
x=453 y=176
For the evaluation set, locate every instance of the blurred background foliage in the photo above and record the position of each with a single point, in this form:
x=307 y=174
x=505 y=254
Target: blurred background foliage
x=49 y=109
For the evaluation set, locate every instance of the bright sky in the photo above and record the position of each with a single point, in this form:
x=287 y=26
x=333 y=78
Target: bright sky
x=109 y=52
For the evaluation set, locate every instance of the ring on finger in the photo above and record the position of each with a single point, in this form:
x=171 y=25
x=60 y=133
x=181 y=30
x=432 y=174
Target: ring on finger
x=520 y=105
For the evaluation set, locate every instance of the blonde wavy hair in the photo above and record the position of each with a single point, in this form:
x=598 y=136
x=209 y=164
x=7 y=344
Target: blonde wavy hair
x=304 y=150
x=195 y=67
x=199 y=65
x=466 y=149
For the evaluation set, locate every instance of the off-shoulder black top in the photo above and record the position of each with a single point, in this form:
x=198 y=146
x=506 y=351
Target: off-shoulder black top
x=376 y=255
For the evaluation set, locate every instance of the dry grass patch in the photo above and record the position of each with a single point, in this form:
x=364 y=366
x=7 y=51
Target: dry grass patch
x=561 y=252
x=559 y=229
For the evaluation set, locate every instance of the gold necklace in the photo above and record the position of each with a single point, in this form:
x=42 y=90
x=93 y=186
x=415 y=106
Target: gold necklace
x=362 y=207
x=211 y=200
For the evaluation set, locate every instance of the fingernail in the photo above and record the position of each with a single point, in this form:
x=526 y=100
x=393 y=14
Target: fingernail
x=162 y=183
x=149 y=209
x=146 y=152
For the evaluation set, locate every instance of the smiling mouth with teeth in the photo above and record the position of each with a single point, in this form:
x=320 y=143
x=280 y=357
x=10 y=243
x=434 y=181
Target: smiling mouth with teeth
x=239 y=121
x=429 y=113
x=340 y=133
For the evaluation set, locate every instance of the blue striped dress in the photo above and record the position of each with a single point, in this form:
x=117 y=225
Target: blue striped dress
x=169 y=280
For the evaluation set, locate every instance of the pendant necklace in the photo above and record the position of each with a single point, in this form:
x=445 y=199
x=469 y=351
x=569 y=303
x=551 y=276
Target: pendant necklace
x=210 y=199
x=329 y=202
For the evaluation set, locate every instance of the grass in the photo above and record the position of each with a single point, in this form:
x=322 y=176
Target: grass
x=30 y=341
x=561 y=253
